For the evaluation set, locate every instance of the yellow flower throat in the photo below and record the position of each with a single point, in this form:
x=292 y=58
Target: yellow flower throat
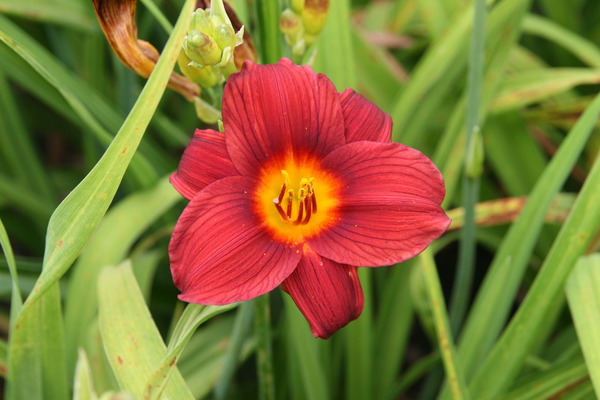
x=286 y=199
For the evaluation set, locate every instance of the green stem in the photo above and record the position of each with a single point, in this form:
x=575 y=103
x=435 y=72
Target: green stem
x=269 y=34
x=466 y=254
x=264 y=352
x=243 y=323
x=447 y=349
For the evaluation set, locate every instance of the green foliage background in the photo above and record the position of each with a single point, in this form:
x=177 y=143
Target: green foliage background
x=502 y=95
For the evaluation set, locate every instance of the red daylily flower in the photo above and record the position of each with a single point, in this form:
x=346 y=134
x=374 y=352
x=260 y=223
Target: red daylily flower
x=302 y=188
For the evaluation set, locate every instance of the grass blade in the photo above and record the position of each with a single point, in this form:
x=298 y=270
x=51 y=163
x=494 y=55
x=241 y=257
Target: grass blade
x=524 y=330
x=447 y=349
x=583 y=293
x=496 y=294
x=461 y=291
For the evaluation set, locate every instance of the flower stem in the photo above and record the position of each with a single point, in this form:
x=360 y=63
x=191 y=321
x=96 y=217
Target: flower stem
x=264 y=353
x=270 y=37
x=461 y=292
x=454 y=373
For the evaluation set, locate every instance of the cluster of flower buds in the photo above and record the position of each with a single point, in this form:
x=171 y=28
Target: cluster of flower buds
x=214 y=48
x=302 y=23
x=208 y=48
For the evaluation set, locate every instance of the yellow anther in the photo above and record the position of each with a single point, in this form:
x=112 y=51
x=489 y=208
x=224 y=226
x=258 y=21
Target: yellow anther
x=286 y=177
x=301 y=193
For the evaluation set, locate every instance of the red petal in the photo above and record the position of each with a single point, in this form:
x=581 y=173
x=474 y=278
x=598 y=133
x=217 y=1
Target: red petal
x=273 y=111
x=390 y=205
x=328 y=294
x=204 y=161
x=364 y=120
x=219 y=252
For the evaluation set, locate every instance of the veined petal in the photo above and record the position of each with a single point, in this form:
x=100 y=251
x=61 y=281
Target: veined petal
x=364 y=120
x=390 y=205
x=274 y=112
x=219 y=252
x=328 y=294
x=204 y=161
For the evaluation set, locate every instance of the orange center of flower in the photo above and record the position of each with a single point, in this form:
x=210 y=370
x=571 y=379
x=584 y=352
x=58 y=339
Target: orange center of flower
x=298 y=201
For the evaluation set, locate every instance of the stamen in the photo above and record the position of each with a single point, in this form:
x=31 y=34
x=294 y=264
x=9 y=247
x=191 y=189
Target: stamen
x=307 y=201
x=286 y=177
x=289 y=203
x=308 y=206
x=282 y=213
x=298 y=220
x=281 y=194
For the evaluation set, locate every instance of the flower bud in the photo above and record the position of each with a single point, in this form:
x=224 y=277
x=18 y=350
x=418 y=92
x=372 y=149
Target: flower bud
x=314 y=16
x=201 y=21
x=302 y=23
x=202 y=49
x=205 y=76
x=211 y=38
x=297 y=6
x=290 y=24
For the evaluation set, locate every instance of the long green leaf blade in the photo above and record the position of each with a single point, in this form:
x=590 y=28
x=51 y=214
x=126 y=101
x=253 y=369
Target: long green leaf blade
x=583 y=293
x=131 y=340
x=583 y=224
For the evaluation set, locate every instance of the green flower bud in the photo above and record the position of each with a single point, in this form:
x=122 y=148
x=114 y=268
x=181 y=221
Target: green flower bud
x=205 y=76
x=202 y=49
x=290 y=24
x=314 y=16
x=224 y=36
x=298 y=6
x=211 y=38
x=201 y=21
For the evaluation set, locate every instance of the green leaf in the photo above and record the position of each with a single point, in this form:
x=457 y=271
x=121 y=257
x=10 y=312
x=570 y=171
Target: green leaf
x=454 y=372
x=18 y=149
x=36 y=354
x=531 y=86
x=109 y=245
x=304 y=355
x=131 y=340
x=239 y=335
x=586 y=50
x=549 y=383
x=193 y=316
x=583 y=293
x=335 y=53
x=31 y=366
x=393 y=327
x=527 y=326
x=78 y=215
x=495 y=297
x=513 y=153
x=83 y=388
x=72 y=13
x=91 y=108
x=16 y=299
